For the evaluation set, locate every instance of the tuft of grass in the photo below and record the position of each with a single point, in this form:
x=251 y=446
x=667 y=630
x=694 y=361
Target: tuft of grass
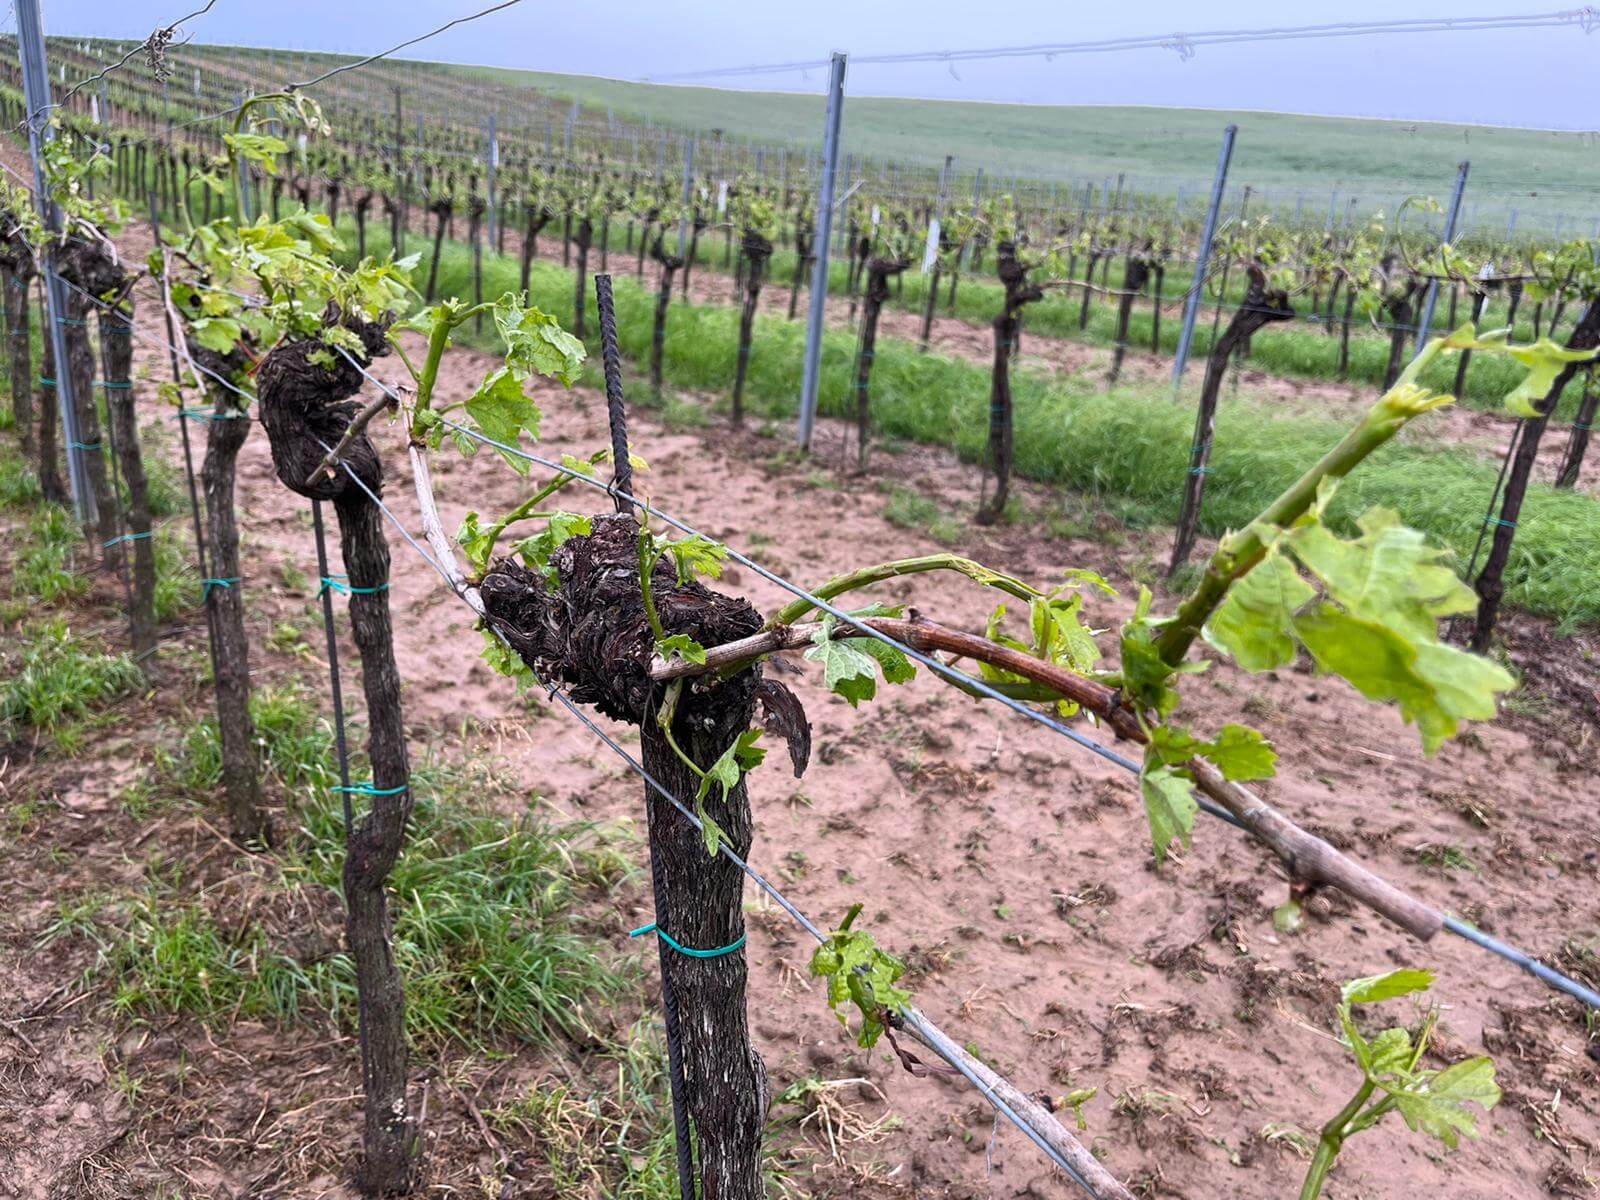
x=49 y=677
x=297 y=747
x=45 y=571
x=485 y=935
x=616 y=1141
x=911 y=510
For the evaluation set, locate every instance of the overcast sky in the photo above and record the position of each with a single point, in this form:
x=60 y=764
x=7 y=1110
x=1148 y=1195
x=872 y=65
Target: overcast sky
x=1540 y=78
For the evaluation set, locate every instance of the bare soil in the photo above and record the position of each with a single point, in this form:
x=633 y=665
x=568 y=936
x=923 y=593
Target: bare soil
x=1011 y=870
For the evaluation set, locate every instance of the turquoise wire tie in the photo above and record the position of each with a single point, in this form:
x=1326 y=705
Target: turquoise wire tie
x=1504 y=524
x=114 y=385
x=1200 y=470
x=127 y=537
x=84 y=445
x=338 y=584
x=680 y=947
x=73 y=321
x=366 y=789
x=1583 y=425
x=197 y=414
x=211 y=583
x=43 y=382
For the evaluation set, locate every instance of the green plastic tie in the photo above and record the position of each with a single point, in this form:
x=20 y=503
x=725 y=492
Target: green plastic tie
x=1586 y=426
x=366 y=789
x=43 y=382
x=211 y=583
x=682 y=949
x=1504 y=524
x=338 y=583
x=72 y=321
x=1200 y=470
x=84 y=445
x=127 y=537
x=114 y=385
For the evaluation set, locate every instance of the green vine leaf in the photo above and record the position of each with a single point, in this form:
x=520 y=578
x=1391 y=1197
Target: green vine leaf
x=1241 y=754
x=850 y=667
x=1255 y=622
x=502 y=412
x=1435 y=686
x=741 y=756
x=1169 y=803
x=535 y=342
x=697 y=555
x=536 y=550
x=861 y=975
x=682 y=645
x=1388 y=574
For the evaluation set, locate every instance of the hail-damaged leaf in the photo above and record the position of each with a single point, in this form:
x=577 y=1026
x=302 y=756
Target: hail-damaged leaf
x=475 y=542
x=1389 y=574
x=536 y=550
x=1145 y=675
x=1255 y=621
x=506 y=661
x=261 y=149
x=1169 y=803
x=217 y=334
x=783 y=714
x=860 y=974
x=501 y=411
x=1438 y=1105
x=740 y=756
x=1435 y=685
x=1241 y=754
x=682 y=645
x=850 y=666
x=697 y=555
x=535 y=342
x=1544 y=360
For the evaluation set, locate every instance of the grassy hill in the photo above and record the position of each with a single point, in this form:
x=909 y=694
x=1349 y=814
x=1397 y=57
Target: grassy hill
x=1545 y=175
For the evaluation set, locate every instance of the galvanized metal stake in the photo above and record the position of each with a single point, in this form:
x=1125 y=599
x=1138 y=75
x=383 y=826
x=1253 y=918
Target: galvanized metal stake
x=1450 y=219
x=37 y=97
x=1191 y=308
x=494 y=165
x=811 y=377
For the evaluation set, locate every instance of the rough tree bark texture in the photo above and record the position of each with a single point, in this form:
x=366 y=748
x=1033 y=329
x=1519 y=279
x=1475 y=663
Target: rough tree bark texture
x=1260 y=308
x=305 y=409
x=1465 y=357
x=1582 y=430
x=591 y=635
x=1018 y=292
x=878 y=272
x=441 y=210
x=80 y=369
x=658 y=338
x=754 y=251
x=1491 y=582
x=695 y=227
x=1402 y=313
x=50 y=484
x=105 y=277
x=16 y=273
x=534 y=219
x=585 y=237
x=1135 y=275
x=225 y=435
x=804 y=258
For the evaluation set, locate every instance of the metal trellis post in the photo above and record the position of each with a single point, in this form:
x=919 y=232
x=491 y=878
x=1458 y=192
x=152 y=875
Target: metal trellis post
x=36 y=95
x=811 y=378
x=1191 y=308
x=1451 y=217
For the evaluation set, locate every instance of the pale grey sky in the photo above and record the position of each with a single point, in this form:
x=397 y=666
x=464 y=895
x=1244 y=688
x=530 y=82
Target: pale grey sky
x=1539 y=78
